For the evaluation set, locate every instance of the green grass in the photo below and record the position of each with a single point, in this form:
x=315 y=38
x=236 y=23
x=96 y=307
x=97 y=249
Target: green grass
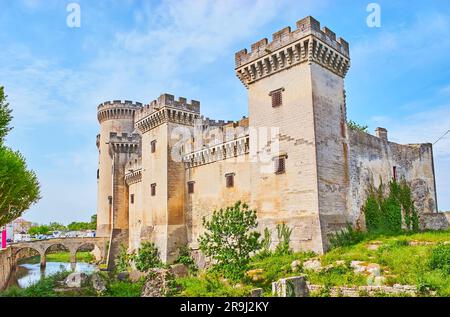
x=124 y=289
x=86 y=257
x=400 y=264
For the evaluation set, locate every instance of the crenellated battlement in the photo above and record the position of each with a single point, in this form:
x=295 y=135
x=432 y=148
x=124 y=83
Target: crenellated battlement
x=117 y=109
x=124 y=143
x=305 y=44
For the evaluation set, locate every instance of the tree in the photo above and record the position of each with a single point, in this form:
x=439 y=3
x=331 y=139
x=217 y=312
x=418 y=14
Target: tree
x=19 y=187
x=355 y=126
x=39 y=230
x=55 y=226
x=229 y=239
x=5 y=116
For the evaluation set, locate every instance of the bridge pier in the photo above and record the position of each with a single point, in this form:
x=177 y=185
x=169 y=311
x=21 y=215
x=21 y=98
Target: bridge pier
x=73 y=259
x=43 y=260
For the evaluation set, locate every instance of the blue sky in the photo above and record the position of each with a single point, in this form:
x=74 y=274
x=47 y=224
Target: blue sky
x=56 y=76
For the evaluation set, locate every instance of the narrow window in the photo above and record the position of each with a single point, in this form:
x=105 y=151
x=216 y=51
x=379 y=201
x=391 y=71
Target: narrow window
x=190 y=187
x=394 y=173
x=98 y=173
x=277 y=97
x=132 y=198
x=280 y=165
x=110 y=200
x=153 y=146
x=229 y=180
x=153 y=189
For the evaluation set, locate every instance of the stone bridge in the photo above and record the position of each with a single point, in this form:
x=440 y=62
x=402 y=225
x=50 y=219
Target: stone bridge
x=71 y=244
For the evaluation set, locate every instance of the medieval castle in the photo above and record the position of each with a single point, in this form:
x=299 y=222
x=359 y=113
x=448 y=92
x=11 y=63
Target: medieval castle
x=163 y=166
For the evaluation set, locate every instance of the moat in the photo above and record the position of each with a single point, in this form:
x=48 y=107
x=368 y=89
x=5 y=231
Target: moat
x=27 y=274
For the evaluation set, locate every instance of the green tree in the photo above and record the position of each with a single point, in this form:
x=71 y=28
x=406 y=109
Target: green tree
x=19 y=187
x=355 y=126
x=55 y=226
x=5 y=116
x=229 y=239
x=39 y=230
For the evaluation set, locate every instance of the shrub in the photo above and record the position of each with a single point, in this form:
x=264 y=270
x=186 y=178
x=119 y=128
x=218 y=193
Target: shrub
x=284 y=237
x=265 y=245
x=440 y=258
x=185 y=258
x=147 y=257
x=229 y=239
x=123 y=259
x=346 y=237
x=384 y=214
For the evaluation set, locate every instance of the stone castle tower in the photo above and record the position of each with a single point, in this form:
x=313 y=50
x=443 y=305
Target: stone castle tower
x=293 y=160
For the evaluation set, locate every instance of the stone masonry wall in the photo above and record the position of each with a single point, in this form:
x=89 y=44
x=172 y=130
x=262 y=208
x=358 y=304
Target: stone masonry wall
x=6 y=264
x=372 y=159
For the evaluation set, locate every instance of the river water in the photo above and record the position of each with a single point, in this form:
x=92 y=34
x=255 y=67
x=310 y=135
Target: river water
x=28 y=274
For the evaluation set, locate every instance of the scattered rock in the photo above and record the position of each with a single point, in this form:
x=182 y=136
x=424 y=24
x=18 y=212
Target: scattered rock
x=98 y=283
x=123 y=276
x=373 y=269
x=157 y=284
x=291 y=287
x=255 y=275
x=295 y=265
x=75 y=280
x=374 y=245
x=376 y=280
x=414 y=243
x=136 y=275
x=313 y=265
x=179 y=270
x=340 y=262
x=257 y=292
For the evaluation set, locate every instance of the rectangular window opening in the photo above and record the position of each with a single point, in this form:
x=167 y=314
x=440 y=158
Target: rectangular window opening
x=280 y=165
x=229 y=180
x=153 y=189
x=153 y=146
x=132 y=198
x=191 y=187
x=277 y=97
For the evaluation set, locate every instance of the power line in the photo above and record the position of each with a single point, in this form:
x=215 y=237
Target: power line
x=441 y=137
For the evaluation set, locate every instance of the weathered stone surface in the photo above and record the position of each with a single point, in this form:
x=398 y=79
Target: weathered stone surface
x=257 y=292
x=290 y=287
x=157 y=284
x=76 y=280
x=313 y=265
x=296 y=265
x=434 y=221
x=123 y=276
x=98 y=283
x=362 y=291
x=136 y=275
x=179 y=270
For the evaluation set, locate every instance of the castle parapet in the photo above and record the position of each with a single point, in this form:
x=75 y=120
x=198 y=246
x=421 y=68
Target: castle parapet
x=287 y=48
x=124 y=143
x=167 y=109
x=117 y=109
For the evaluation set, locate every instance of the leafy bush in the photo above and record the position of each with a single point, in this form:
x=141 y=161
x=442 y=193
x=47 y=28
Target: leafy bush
x=147 y=257
x=346 y=237
x=265 y=245
x=284 y=238
x=123 y=259
x=229 y=239
x=440 y=258
x=384 y=214
x=185 y=257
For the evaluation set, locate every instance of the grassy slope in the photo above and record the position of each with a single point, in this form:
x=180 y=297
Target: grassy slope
x=400 y=262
